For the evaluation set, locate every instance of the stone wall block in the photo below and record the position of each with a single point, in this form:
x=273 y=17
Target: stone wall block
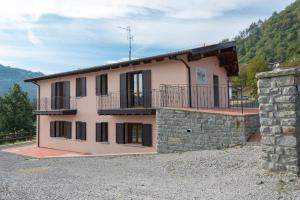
x=263 y=99
x=289 y=130
x=285 y=99
x=284 y=81
x=209 y=130
x=275 y=130
x=290 y=90
x=287 y=141
x=264 y=83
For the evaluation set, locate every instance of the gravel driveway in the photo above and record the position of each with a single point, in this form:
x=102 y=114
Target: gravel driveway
x=212 y=174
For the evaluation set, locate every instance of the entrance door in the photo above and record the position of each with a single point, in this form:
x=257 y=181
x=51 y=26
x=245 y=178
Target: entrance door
x=216 y=91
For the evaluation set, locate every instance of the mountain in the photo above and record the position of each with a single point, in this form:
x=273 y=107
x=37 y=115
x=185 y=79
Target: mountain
x=9 y=76
x=276 y=39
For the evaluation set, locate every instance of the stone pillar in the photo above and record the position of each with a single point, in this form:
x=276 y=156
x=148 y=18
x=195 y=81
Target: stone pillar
x=280 y=119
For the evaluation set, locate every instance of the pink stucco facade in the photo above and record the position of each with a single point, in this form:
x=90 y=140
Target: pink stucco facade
x=170 y=72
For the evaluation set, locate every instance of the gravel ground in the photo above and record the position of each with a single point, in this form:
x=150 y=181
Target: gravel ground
x=212 y=174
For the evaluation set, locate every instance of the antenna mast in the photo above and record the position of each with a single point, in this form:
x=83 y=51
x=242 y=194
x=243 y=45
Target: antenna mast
x=129 y=38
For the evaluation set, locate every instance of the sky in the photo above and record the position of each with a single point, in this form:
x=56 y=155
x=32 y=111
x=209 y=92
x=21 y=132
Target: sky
x=53 y=36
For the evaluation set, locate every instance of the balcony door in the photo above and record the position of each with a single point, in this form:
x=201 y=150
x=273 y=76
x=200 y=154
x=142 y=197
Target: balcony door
x=135 y=89
x=60 y=95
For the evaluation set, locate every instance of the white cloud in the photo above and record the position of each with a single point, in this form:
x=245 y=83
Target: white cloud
x=187 y=9
x=32 y=38
x=90 y=34
x=119 y=60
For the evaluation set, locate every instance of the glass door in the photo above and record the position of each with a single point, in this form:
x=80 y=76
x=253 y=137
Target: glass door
x=135 y=90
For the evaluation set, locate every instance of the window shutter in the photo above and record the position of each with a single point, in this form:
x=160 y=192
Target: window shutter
x=53 y=96
x=147 y=93
x=98 y=132
x=78 y=87
x=52 y=129
x=98 y=85
x=83 y=131
x=57 y=129
x=66 y=94
x=83 y=86
x=68 y=130
x=147 y=135
x=104 y=84
x=123 y=90
x=120 y=135
x=104 y=130
x=78 y=131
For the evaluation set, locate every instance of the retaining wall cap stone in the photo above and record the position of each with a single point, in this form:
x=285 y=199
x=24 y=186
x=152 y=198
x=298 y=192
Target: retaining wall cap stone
x=278 y=72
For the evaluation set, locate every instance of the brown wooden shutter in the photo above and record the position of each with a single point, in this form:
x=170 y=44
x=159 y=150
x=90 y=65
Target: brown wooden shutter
x=147 y=135
x=98 y=85
x=120 y=135
x=78 y=130
x=83 y=86
x=98 y=132
x=53 y=96
x=83 y=131
x=66 y=94
x=147 y=93
x=78 y=87
x=104 y=84
x=68 y=130
x=52 y=129
x=57 y=129
x=104 y=128
x=123 y=90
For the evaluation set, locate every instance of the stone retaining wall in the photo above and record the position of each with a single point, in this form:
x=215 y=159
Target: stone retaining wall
x=180 y=130
x=279 y=117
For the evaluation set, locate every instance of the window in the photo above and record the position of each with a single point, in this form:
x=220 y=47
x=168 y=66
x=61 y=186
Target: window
x=81 y=130
x=102 y=132
x=134 y=133
x=61 y=129
x=81 y=87
x=101 y=85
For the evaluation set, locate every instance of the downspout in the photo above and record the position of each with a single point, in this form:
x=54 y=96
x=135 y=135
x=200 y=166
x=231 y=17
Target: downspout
x=38 y=116
x=189 y=77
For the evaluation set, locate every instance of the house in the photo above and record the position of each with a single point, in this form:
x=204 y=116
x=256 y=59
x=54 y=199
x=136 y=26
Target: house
x=113 y=108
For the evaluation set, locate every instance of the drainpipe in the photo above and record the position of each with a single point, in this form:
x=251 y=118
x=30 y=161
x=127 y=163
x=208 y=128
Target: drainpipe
x=189 y=77
x=38 y=116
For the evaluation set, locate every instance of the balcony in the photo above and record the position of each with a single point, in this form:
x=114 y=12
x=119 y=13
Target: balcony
x=55 y=106
x=128 y=103
x=205 y=97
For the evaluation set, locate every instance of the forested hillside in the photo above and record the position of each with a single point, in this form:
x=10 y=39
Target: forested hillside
x=9 y=76
x=276 y=39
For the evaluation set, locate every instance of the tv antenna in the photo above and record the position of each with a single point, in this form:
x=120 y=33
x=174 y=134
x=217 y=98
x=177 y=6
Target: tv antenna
x=129 y=38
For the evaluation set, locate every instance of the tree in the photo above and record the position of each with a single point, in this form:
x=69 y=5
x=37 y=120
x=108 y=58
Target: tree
x=247 y=79
x=15 y=111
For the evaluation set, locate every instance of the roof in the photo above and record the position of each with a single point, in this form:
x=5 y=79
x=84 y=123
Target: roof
x=204 y=51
